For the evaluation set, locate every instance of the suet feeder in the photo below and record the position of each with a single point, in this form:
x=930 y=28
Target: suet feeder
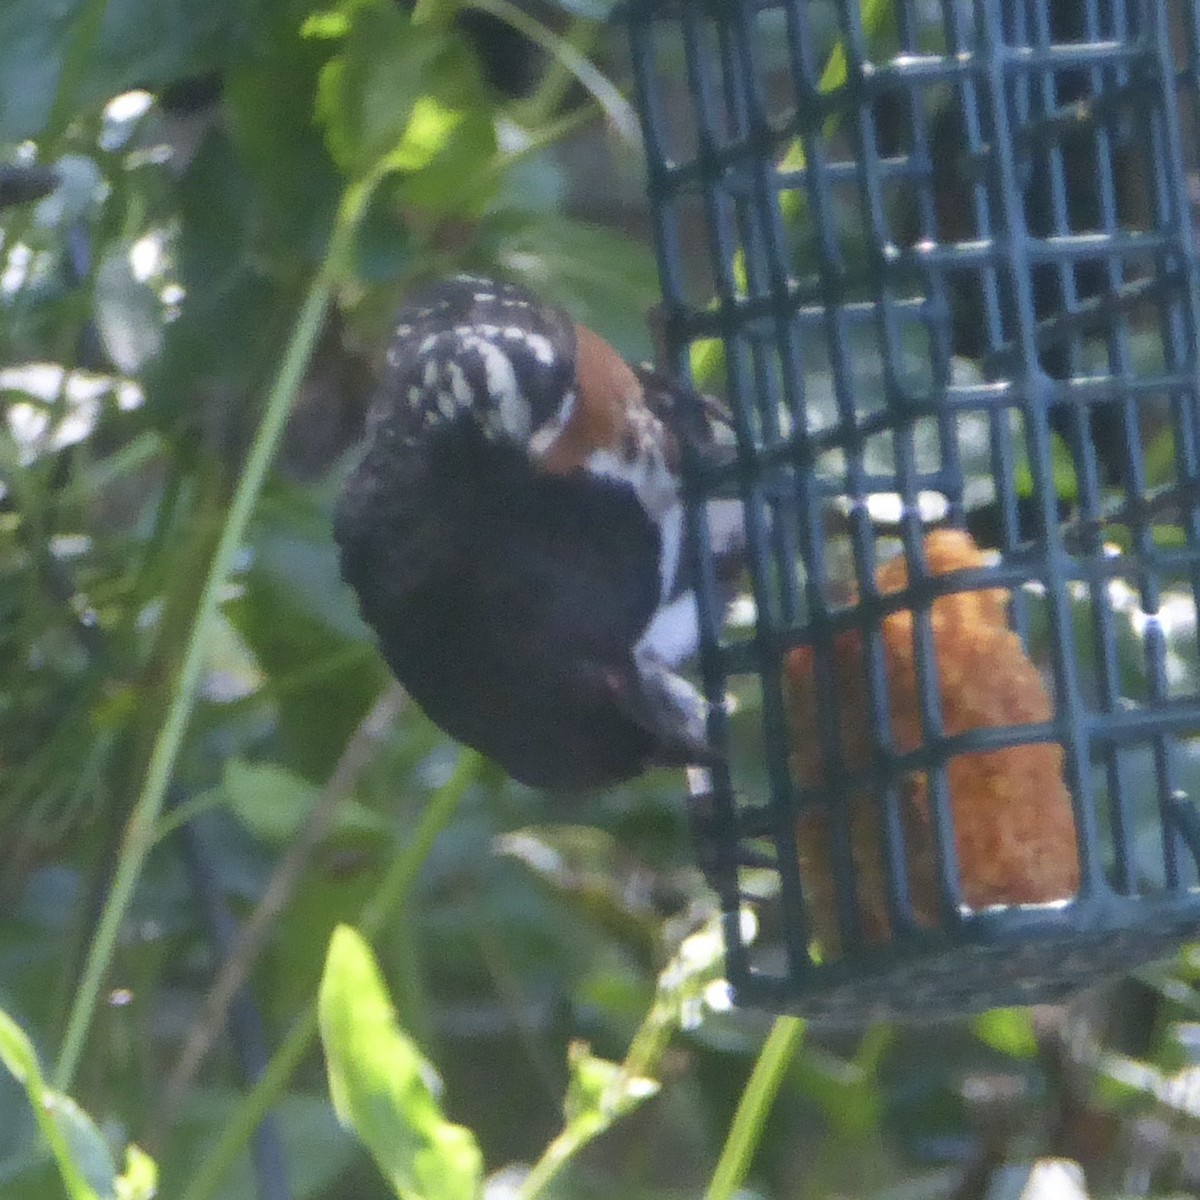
x=940 y=258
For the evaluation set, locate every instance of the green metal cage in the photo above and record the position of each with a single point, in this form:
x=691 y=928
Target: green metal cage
x=940 y=257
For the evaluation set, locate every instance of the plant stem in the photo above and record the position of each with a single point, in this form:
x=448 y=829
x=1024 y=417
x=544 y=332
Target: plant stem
x=602 y=89
x=540 y=108
x=385 y=905
x=139 y=832
x=44 y=1104
x=641 y=1061
x=255 y=929
x=557 y=1154
x=392 y=893
x=748 y=1122
x=546 y=135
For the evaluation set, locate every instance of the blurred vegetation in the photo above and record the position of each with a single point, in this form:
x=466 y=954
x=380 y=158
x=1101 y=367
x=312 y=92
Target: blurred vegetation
x=210 y=212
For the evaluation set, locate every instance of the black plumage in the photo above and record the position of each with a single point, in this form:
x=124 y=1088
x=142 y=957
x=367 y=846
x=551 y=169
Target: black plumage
x=510 y=599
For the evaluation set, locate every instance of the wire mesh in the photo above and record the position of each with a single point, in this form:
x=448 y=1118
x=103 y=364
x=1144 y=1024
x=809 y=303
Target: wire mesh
x=940 y=257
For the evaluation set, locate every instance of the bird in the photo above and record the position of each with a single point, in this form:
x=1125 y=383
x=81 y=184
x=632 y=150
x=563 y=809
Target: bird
x=514 y=532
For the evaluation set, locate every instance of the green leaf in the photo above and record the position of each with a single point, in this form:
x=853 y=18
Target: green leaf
x=1009 y=1030
x=366 y=95
x=383 y=244
x=300 y=623
x=272 y=802
x=601 y=1092
x=1161 y=457
x=592 y=871
x=82 y=1154
x=86 y=1145
x=142 y=43
x=140 y=1178
x=428 y=129
x=451 y=147
x=605 y=279
x=269 y=800
x=846 y=1092
x=269 y=103
x=17 y=1052
x=30 y=49
x=1062 y=470
x=233 y=316
x=216 y=199
x=380 y=1082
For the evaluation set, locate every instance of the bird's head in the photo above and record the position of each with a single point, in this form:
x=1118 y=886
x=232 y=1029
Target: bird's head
x=472 y=350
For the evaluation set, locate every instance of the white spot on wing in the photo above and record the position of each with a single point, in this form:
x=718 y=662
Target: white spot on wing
x=673 y=633
x=676 y=694
x=549 y=432
x=540 y=347
x=458 y=384
x=544 y=438
x=510 y=405
x=670 y=530
x=567 y=408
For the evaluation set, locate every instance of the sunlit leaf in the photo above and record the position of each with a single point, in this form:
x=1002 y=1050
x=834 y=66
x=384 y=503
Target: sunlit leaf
x=1178 y=1091
x=17 y=1052
x=1009 y=1030
x=600 y=1092
x=366 y=95
x=381 y=1085
x=82 y=1154
x=429 y=126
x=455 y=179
x=139 y=1180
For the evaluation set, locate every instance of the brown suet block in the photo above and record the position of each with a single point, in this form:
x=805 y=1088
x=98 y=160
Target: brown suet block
x=1014 y=829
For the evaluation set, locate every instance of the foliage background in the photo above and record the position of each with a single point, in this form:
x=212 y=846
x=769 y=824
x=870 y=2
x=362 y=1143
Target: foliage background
x=223 y=171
